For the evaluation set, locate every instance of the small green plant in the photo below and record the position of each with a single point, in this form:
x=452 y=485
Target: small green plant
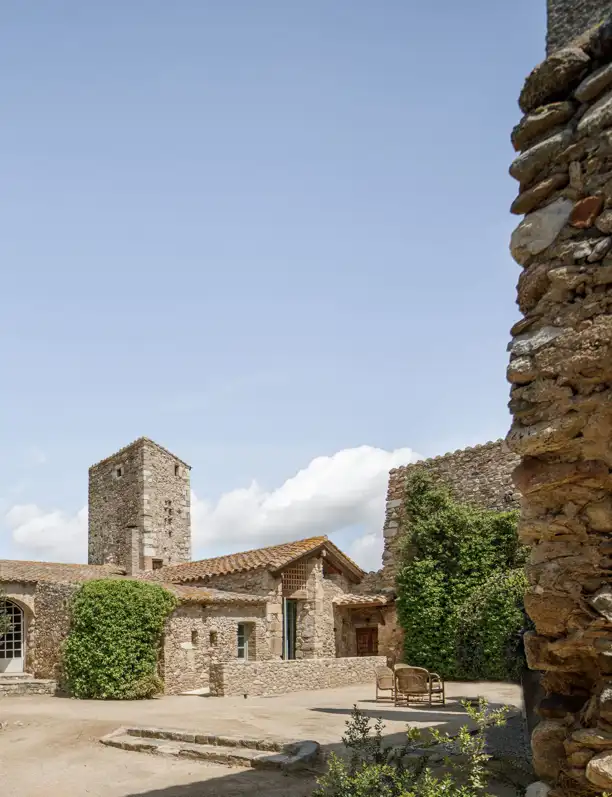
x=369 y=769
x=113 y=645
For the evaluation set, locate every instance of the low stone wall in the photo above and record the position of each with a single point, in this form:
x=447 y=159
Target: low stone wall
x=279 y=677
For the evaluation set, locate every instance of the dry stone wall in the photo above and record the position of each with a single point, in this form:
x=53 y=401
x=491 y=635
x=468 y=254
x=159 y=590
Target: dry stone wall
x=51 y=626
x=197 y=636
x=561 y=399
x=481 y=475
x=280 y=677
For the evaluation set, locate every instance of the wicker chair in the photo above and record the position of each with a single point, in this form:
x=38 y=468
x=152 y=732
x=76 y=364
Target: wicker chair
x=415 y=684
x=385 y=682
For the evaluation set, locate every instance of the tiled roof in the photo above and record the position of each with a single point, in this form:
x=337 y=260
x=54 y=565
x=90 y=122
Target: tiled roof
x=30 y=572
x=361 y=600
x=274 y=557
x=213 y=596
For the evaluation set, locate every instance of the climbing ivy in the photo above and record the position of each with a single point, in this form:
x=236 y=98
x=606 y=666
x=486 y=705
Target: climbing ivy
x=449 y=551
x=488 y=623
x=112 y=649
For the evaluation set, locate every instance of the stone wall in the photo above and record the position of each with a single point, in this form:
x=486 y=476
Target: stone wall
x=561 y=399
x=114 y=507
x=139 y=508
x=167 y=507
x=52 y=623
x=197 y=636
x=481 y=475
x=280 y=677
x=567 y=19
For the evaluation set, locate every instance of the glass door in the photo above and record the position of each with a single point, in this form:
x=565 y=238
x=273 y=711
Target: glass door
x=289 y=628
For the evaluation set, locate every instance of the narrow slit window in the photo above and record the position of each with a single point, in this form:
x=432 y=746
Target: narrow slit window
x=194 y=637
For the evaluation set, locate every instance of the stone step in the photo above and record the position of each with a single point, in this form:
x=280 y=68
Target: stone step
x=258 y=754
x=14 y=686
x=233 y=756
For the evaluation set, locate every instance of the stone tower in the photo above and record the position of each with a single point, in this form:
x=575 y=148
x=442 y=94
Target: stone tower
x=139 y=508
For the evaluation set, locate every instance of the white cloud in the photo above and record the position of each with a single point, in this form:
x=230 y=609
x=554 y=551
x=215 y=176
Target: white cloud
x=55 y=536
x=331 y=494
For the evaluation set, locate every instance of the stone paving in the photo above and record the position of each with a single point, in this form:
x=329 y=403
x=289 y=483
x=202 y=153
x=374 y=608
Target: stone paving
x=55 y=741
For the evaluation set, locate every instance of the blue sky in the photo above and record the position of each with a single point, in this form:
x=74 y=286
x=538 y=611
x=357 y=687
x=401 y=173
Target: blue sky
x=259 y=233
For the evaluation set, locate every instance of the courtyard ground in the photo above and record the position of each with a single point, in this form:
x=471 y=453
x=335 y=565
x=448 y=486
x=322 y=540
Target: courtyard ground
x=50 y=745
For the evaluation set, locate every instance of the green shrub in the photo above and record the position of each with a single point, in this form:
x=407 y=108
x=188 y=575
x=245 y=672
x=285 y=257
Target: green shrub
x=488 y=626
x=369 y=769
x=113 y=645
x=448 y=552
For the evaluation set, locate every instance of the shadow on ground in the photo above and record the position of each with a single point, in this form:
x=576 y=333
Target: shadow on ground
x=275 y=784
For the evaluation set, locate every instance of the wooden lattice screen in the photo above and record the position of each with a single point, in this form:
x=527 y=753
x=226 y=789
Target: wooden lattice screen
x=294 y=578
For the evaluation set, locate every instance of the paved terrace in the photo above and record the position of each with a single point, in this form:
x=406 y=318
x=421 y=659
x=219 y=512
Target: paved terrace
x=52 y=743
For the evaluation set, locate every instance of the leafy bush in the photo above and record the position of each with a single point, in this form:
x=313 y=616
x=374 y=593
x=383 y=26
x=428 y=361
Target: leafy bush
x=488 y=627
x=369 y=769
x=113 y=645
x=449 y=551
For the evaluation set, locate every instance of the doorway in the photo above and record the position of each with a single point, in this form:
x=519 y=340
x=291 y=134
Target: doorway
x=289 y=629
x=367 y=641
x=12 y=642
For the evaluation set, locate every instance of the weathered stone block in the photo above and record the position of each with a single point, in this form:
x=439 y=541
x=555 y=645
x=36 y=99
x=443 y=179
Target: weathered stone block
x=599 y=770
x=554 y=78
x=539 y=229
x=531 y=162
x=540 y=121
x=533 y=197
x=547 y=748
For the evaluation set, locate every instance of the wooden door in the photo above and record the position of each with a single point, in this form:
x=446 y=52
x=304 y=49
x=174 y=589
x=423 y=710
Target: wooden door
x=367 y=641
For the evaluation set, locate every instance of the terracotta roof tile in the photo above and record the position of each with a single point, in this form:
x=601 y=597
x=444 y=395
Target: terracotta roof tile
x=349 y=599
x=26 y=571
x=273 y=557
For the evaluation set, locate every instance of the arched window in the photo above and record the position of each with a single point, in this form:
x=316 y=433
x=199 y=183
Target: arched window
x=12 y=640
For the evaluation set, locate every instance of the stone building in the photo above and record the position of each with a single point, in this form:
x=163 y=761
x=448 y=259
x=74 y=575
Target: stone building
x=273 y=619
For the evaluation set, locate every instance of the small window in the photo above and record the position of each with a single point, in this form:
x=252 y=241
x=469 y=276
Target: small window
x=157 y=564
x=194 y=637
x=243 y=642
x=177 y=470
x=119 y=472
x=213 y=638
